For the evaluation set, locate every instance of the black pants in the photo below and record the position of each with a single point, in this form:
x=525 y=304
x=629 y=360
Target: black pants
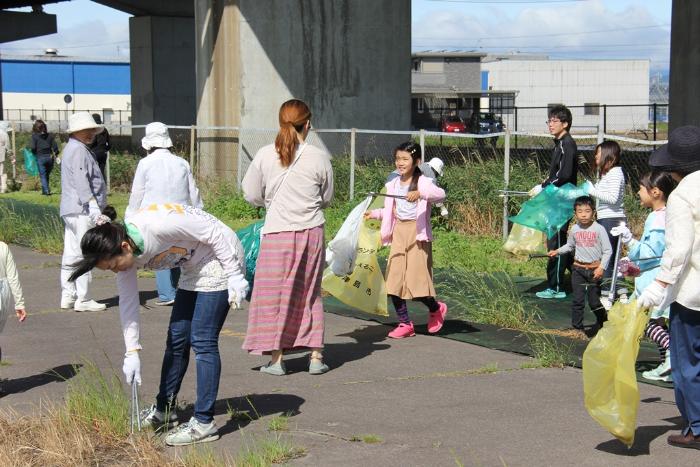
x=583 y=285
x=608 y=224
x=557 y=265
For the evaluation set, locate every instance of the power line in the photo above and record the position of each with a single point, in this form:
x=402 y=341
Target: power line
x=513 y=46
x=512 y=2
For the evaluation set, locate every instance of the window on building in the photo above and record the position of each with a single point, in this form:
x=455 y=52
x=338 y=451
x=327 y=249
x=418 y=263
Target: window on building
x=591 y=108
x=502 y=104
x=432 y=66
x=420 y=108
x=416 y=65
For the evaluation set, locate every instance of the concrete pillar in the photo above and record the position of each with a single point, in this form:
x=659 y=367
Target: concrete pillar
x=684 y=93
x=349 y=59
x=162 y=73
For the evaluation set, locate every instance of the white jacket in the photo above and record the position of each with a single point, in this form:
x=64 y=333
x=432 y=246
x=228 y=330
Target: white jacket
x=208 y=252
x=163 y=177
x=4 y=144
x=8 y=271
x=680 y=264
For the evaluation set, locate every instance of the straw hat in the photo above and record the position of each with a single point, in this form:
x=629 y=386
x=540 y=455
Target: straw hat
x=81 y=121
x=156 y=136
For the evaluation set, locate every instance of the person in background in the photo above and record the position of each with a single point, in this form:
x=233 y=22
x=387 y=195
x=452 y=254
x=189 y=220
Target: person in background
x=83 y=195
x=608 y=193
x=4 y=152
x=162 y=177
x=101 y=145
x=563 y=169
x=679 y=275
x=44 y=146
x=432 y=169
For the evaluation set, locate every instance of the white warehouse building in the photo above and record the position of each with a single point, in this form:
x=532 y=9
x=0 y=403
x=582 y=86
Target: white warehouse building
x=583 y=85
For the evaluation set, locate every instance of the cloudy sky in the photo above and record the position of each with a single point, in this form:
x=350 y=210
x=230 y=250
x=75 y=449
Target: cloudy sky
x=558 y=28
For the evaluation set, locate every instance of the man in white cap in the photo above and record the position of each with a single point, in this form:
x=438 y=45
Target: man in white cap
x=434 y=168
x=162 y=177
x=83 y=196
x=4 y=149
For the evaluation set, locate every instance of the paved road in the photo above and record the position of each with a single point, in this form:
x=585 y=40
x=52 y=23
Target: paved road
x=432 y=401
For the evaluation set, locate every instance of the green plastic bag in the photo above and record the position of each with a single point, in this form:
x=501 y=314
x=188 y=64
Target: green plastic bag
x=549 y=210
x=250 y=239
x=610 y=390
x=30 y=165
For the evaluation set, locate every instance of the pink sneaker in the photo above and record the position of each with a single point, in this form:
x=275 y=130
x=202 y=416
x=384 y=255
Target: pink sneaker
x=403 y=330
x=436 y=320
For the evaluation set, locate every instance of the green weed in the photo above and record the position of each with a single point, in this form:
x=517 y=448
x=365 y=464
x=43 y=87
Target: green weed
x=265 y=452
x=486 y=369
x=550 y=352
x=279 y=423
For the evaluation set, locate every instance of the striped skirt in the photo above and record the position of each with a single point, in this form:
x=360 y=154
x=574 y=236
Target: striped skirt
x=286 y=310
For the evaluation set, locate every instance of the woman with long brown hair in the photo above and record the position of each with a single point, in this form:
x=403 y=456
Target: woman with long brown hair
x=293 y=180
x=45 y=148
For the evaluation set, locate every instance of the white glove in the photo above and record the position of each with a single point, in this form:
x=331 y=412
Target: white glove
x=237 y=290
x=58 y=160
x=653 y=296
x=93 y=211
x=443 y=211
x=132 y=367
x=535 y=190
x=623 y=232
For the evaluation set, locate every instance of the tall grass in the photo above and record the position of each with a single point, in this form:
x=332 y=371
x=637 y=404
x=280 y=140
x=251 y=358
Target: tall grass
x=489 y=299
x=42 y=232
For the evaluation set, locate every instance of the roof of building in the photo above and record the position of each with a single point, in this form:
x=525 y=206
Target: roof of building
x=448 y=54
x=48 y=58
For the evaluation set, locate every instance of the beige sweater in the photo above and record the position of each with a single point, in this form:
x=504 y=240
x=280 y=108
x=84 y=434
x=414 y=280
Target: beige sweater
x=8 y=271
x=306 y=191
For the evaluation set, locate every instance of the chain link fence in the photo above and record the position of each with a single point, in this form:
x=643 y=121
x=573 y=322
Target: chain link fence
x=224 y=154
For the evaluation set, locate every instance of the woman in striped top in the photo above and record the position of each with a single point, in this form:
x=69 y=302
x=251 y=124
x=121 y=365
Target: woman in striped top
x=608 y=193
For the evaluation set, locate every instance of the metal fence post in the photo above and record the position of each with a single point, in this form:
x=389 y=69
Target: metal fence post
x=107 y=174
x=353 y=133
x=506 y=181
x=14 y=154
x=192 y=137
x=654 y=105
x=605 y=120
x=516 y=127
x=601 y=128
x=239 y=162
x=422 y=145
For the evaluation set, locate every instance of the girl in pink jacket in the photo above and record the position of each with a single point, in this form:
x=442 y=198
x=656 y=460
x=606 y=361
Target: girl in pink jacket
x=406 y=227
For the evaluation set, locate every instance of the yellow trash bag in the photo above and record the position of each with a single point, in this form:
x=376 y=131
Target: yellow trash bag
x=524 y=240
x=610 y=390
x=365 y=288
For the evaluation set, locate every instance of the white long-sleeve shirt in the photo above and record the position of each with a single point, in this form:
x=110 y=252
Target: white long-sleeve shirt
x=680 y=264
x=609 y=192
x=4 y=144
x=172 y=235
x=162 y=177
x=8 y=271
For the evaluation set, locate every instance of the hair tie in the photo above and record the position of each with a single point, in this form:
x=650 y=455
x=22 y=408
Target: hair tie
x=102 y=219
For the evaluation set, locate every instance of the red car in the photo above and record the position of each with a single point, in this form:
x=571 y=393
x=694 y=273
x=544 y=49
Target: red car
x=453 y=125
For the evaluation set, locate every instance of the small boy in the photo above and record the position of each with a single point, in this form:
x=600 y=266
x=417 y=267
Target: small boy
x=592 y=249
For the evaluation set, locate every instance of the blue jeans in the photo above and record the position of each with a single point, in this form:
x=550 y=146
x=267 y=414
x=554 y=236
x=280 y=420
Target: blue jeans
x=195 y=322
x=685 y=364
x=45 y=164
x=166 y=283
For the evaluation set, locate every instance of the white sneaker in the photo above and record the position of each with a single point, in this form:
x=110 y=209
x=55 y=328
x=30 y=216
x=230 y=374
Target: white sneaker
x=89 y=305
x=156 y=420
x=192 y=432
x=67 y=303
x=661 y=372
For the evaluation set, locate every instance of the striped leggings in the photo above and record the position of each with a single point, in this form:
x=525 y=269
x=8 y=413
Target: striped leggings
x=660 y=335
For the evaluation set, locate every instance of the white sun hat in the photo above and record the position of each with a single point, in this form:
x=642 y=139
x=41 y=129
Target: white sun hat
x=81 y=121
x=5 y=126
x=156 y=136
x=437 y=165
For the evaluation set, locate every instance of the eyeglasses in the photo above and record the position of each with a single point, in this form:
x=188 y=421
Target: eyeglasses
x=552 y=120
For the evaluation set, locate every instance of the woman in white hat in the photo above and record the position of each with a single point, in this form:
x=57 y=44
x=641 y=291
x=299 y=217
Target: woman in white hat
x=83 y=195
x=162 y=177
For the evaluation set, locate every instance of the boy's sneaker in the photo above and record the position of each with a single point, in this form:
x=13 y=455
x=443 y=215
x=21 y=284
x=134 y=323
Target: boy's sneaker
x=155 y=419
x=437 y=318
x=550 y=293
x=192 y=432
x=403 y=330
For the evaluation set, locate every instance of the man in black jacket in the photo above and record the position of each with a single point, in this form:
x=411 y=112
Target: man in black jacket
x=562 y=169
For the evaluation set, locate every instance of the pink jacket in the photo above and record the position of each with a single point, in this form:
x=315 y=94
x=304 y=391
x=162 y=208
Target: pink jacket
x=429 y=193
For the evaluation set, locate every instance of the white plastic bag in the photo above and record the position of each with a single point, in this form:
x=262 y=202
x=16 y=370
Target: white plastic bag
x=7 y=302
x=342 y=250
